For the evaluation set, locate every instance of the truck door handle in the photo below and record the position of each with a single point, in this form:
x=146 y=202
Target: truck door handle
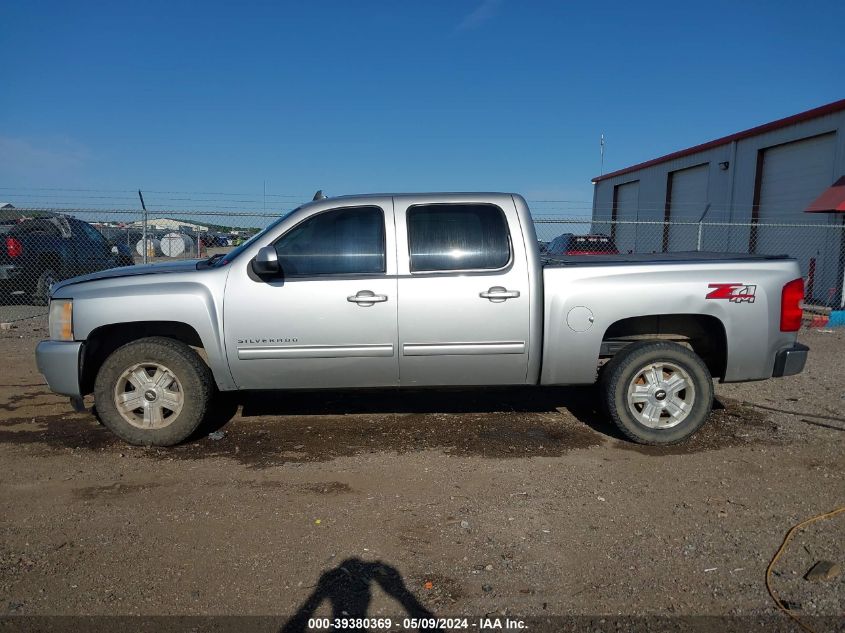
x=497 y=294
x=366 y=298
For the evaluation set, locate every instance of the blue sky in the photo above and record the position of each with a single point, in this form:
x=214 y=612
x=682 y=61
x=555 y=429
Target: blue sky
x=388 y=96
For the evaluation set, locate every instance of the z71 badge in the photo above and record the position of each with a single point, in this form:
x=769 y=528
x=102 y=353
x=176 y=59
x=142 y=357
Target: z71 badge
x=737 y=293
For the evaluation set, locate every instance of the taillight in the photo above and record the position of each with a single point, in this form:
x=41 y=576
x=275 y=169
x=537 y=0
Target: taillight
x=14 y=247
x=790 y=306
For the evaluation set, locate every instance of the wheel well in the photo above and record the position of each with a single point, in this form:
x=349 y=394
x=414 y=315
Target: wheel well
x=704 y=334
x=102 y=341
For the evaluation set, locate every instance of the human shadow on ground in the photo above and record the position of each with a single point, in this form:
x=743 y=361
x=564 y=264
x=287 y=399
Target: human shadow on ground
x=348 y=588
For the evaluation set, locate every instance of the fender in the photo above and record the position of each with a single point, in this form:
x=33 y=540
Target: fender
x=193 y=298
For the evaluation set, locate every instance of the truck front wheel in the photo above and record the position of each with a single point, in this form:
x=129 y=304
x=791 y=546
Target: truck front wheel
x=153 y=392
x=657 y=392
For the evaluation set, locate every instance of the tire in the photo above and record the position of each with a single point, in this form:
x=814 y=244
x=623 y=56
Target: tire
x=222 y=408
x=41 y=294
x=168 y=380
x=645 y=399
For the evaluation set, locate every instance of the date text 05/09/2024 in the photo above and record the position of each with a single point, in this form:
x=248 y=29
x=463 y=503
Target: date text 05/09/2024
x=481 y=624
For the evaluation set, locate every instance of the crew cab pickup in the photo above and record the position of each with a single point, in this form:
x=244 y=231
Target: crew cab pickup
x=420 y=290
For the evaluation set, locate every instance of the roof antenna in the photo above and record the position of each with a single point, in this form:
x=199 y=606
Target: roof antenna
x=319 y=195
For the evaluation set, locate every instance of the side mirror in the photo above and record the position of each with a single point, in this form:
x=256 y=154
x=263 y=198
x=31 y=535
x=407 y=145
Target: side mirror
x=266 y=262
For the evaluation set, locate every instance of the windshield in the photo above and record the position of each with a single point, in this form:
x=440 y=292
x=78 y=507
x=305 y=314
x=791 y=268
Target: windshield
x=231 y=255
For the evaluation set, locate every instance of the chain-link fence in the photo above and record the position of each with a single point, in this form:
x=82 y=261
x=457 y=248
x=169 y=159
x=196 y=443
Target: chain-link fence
x=819 y=248
x=41 y=246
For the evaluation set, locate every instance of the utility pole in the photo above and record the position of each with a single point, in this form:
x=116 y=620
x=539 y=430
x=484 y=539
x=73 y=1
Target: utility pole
x=601 y=147
x=144 y=225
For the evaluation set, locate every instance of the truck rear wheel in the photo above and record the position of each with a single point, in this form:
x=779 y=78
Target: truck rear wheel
x=43 y=285
x=153 y=392
x=657 y=392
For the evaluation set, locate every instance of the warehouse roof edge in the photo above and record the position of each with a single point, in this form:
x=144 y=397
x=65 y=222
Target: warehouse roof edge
x=820 y=111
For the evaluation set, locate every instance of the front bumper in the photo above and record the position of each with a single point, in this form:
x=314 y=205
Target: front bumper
x=789 y=362
x=59 y=363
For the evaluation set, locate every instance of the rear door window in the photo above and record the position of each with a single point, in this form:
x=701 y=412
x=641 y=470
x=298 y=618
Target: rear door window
x=450 y=237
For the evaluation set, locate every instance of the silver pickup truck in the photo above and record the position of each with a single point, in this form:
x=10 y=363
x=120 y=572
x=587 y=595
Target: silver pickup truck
x=420 y=290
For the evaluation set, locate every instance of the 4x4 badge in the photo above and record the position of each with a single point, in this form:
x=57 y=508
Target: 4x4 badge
x=737 y=293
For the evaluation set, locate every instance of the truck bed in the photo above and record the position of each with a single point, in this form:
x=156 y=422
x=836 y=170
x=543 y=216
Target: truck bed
x=584 y=296
x=556 y=261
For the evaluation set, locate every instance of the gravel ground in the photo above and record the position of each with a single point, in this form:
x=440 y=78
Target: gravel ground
x=512 y=501
x=13 y=309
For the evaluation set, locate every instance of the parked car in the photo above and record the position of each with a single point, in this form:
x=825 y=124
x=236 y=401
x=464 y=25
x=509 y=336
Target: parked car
x=35 y=253
x=211 y=240
x=571 y=244
x=423 y=290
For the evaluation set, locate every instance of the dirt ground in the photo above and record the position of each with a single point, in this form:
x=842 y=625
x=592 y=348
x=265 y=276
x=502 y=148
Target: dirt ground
x=505 y=502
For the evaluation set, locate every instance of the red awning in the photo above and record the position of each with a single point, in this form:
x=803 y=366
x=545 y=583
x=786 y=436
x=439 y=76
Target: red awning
x=832 y=199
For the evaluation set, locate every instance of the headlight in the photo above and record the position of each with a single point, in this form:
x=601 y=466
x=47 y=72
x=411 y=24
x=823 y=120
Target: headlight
x=60 y=322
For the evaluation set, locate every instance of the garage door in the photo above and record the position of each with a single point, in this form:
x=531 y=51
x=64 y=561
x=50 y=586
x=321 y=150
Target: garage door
x=687 y=203
x=626 y=206
x=792 y=176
